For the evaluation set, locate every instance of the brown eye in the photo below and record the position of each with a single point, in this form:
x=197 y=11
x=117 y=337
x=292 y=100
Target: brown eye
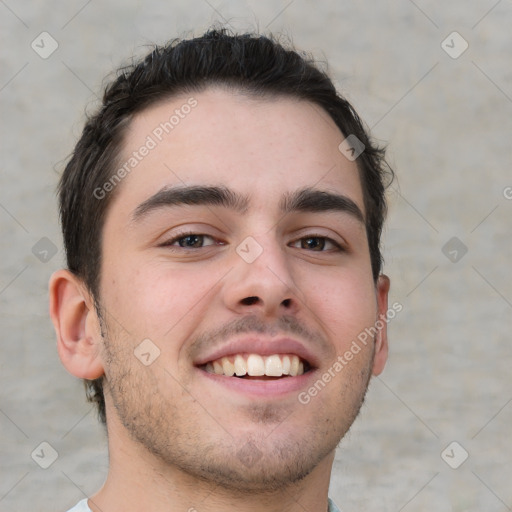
x=193 y=241
x=190 y=241
x=316 y=243
x=313 y=243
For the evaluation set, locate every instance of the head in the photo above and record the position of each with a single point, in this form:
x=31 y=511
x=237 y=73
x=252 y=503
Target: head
x=235 y=139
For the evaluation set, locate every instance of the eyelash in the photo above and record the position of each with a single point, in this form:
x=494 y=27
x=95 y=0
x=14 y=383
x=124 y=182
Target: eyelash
x=180 y=236
x=185 y=234
x=338 y=247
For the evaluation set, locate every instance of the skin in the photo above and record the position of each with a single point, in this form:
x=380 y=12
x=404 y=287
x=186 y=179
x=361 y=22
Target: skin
x=178 y=439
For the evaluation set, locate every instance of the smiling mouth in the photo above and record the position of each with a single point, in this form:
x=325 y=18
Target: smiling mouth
x=247 y=366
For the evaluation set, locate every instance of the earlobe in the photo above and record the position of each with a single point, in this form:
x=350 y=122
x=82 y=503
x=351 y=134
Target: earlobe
x=381 y=338
x=76 y=324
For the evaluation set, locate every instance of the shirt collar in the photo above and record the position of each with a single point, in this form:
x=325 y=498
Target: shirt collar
x=332 y=507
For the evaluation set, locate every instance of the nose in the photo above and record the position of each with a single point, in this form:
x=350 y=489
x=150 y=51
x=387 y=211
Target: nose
x=263 y=286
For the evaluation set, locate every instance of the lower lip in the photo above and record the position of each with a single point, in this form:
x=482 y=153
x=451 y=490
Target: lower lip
x=262 y=388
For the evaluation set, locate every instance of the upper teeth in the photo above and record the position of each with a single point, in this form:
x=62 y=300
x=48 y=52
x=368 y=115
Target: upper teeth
x=255 y=365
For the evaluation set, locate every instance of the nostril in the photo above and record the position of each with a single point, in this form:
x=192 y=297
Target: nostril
x=286 y=303
x=249 y=301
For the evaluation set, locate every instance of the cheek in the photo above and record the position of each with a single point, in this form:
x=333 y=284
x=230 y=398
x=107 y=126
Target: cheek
x=345 y=303
x=151 y=300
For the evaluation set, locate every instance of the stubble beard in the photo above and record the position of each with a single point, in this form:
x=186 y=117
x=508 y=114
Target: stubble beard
x=240 y=464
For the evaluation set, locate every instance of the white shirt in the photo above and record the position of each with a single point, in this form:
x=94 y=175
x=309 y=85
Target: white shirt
x=82 y=506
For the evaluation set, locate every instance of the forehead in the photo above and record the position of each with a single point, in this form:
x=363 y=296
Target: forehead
x=260 y=147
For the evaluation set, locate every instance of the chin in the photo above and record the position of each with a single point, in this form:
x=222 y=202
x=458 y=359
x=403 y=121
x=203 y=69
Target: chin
x=252 y=472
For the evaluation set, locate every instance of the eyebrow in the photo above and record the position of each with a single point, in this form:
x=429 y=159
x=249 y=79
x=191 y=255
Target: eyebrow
x=304 y=200
x=192 y=195
x=317 y=201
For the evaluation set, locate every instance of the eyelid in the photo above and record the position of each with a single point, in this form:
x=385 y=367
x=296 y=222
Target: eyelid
x=319 y=232
x=171 y=233
x=178 y=236
x=337 y=245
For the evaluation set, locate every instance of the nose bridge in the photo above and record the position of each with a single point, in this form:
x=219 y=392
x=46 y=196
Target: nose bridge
x=262 y=272
x=267 y=259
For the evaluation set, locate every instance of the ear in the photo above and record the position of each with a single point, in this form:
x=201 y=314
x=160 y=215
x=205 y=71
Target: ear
x=77 y=326
x=381 y=338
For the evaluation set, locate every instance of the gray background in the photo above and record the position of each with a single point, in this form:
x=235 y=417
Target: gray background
x=448 y=125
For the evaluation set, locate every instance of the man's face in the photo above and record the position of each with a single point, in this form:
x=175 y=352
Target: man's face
x=268 y=268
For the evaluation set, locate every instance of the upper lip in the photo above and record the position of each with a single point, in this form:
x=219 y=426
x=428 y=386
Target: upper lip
x=261 y=346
